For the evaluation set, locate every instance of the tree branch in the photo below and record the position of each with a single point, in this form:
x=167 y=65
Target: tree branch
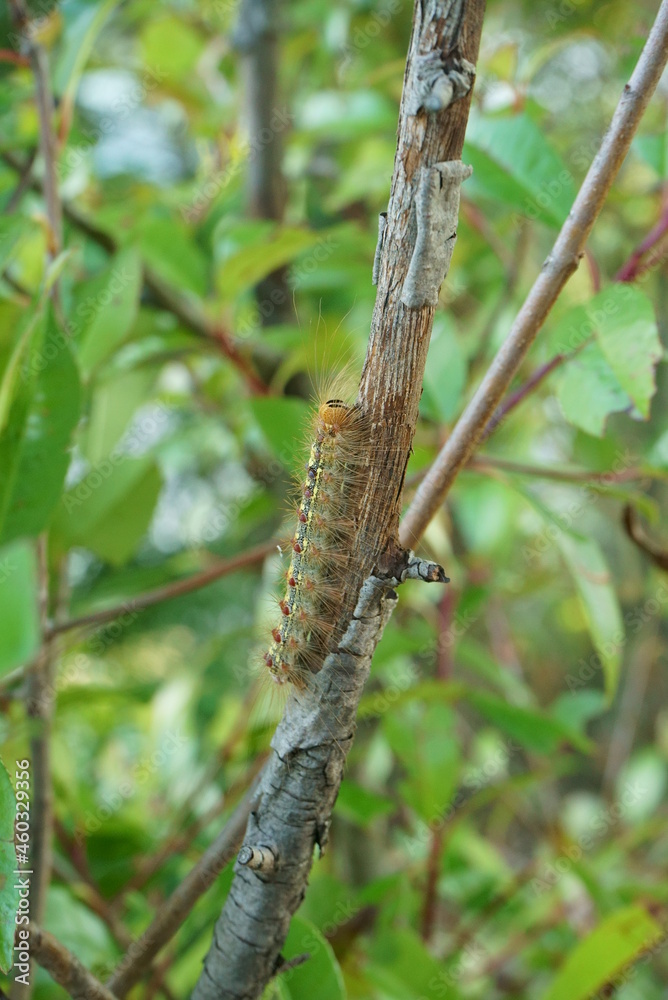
x=559 y=266
x=303 y=775
x=173 y=912
x=64 y=967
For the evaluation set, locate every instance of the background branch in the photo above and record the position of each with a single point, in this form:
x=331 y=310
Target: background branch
x=40 y=698
x=256 y=39
x=64 y=967
x=173 y=912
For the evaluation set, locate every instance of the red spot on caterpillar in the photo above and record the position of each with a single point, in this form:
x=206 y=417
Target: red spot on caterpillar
x=277 y=635
x=302 y=517
x=283 y=605
x=297 y=548
x=292 y=582
x=268 y=660
x=308 y=492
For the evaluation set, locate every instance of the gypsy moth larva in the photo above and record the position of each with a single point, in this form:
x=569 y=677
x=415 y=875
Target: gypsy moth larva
x=322 y=544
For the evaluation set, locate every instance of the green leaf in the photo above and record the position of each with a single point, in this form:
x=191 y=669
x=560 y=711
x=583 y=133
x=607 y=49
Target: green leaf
x=591 y=577
x=105 y=309
x=339 y=114
x=320 y=976
x=513 y=164
x=114 y=402
x=361 y=806
x=588 y=391
x=9 y=895
x=19 y=622
x=169 y=43
x=244 y=268
x=34 y=445
x=80 y=35
x=445 y=374
x=12 y=227
x=629 y=339
x=617 y=941
x=77 y=926
x=402 y=968
x=16 y=384
x=577 y=708
x=110 y=509
x=423 y=739
x=283 y=422
x=533 y=729
x=598 y=599
x=168 y=247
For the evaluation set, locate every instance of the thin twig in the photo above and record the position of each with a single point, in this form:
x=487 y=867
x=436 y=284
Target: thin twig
x=39 y=63
x=182 y=835
x=560 y=265
x=563 y=475
x=222 y=567
x=64 y=968
x=639 y=537
x=517 y=397
x=430 y=902
x=173 y=912
x=94 y=897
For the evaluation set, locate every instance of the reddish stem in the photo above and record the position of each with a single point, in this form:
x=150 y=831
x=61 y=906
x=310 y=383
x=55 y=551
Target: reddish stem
x=524 y=390
x=431 y=894
x=7 y=55
x=633 y=267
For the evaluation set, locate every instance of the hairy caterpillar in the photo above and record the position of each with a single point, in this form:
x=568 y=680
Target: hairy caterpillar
x=321 y=544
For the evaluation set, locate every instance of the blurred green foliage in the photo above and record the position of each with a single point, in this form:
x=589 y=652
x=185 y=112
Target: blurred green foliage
x=502 y=828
